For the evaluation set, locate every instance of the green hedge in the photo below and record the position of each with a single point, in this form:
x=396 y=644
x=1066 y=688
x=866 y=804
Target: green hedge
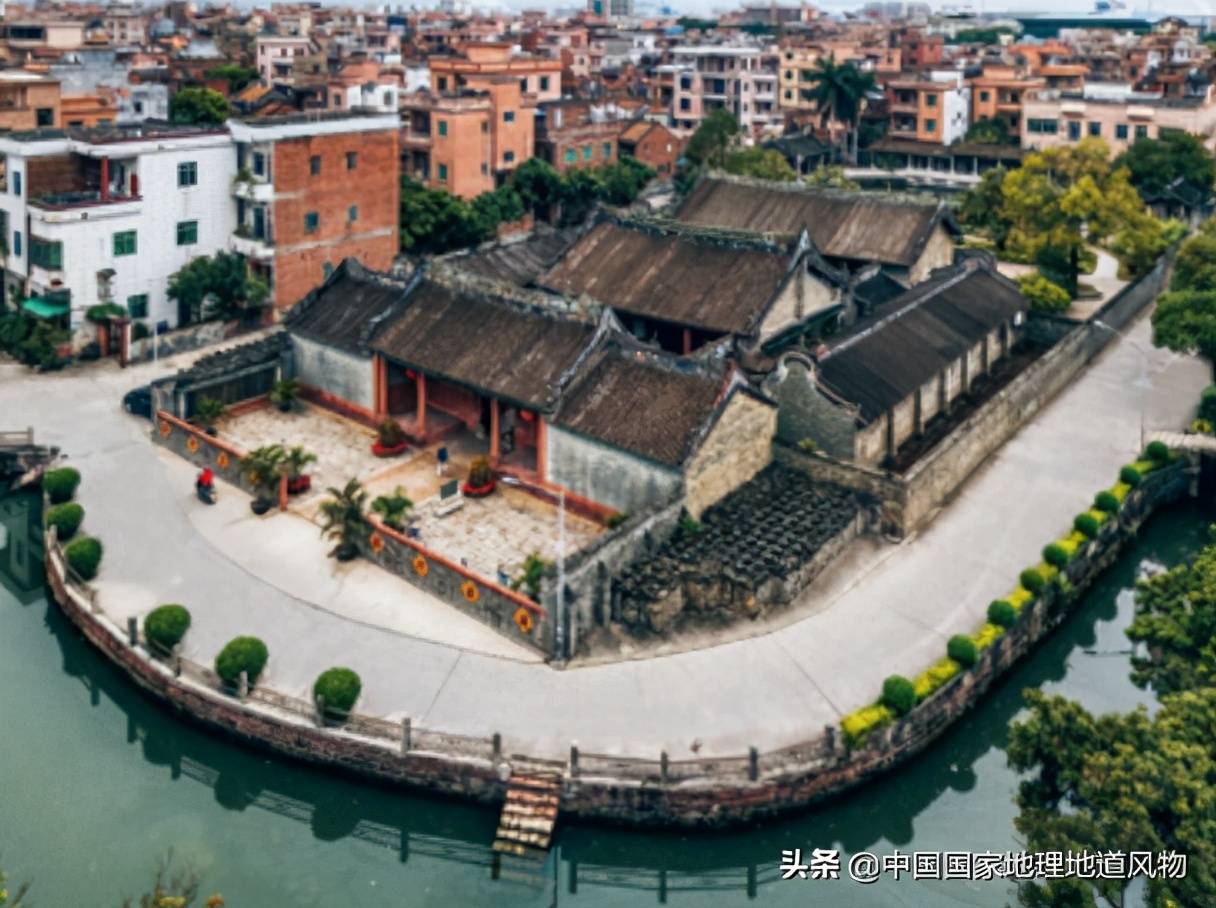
x=962 y=649
x=84 y=556
x=165 y=625
x=340 y=687
x=934 y=677
x=1002 y=613
x=1157 y=451
x=1055 y=555
x=247 y=654
x=1106 y=502
x=1130 y=475
x=898 y=695
x=1087 y=525
x=60 y=485
x=858 y=725
x=1032 y=580
x=987 y=635
x=66 y=519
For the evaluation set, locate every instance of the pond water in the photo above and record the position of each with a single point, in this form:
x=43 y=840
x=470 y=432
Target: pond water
x=99 y=783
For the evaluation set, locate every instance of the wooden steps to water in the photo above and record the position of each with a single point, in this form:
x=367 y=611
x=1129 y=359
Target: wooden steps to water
x=525 y=827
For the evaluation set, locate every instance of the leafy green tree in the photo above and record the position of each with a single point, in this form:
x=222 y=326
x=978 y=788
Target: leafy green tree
x=762 y=164
x=980 y=208
x=830 y=176
x=713 y=139
x=434 y=220
x=1195 y=266
x=197 y=105
x=1153 y=164
x=1044 y=294
x=1185 y=322
x=537 y=183
x=839 y=92
x=221 y=286
x=989 y=131
x=237 y=76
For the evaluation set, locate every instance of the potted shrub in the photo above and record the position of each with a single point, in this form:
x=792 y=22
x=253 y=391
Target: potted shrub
x=284 y=393
x=262 y=467
x=84 y=556
x=295 y=459
x=66 y=519
x=337 y=689
x=343 y=520
x=60 y=485
x=393 y=508
x=242 y=654
x=481 y=479
x=165 y=626
x=207 y=412
x=390 y=439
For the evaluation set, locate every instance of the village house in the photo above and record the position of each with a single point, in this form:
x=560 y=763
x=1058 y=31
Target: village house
x=908 y=237
x=653 y=144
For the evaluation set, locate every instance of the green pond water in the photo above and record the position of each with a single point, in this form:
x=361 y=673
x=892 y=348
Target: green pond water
x=97 y=782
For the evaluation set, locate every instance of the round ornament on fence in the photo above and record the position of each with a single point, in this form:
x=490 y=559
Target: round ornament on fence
x=222 y=460
x=165 y=428
x=469 y=590
x=376 y=541
x=523 y=620
x=192 y=445
x=421 y=568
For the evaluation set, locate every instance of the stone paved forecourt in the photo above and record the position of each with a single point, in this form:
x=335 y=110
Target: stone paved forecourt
x=766 y=691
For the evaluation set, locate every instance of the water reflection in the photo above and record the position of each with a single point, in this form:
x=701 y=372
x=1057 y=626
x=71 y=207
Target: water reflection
x=909 y=808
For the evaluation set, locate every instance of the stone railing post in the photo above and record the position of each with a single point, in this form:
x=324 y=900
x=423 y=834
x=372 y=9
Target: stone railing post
x=177 y=660
x=242 y=685
x=406 y=731
x=663 y=766
x=496 y=744
x=132 y=631
x=320 y=704
x=753 y=764
x=573 y=759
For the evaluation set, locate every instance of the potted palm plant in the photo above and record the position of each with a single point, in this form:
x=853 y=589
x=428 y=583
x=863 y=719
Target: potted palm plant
x=262 y=467
x=343 y=522
x=284 y=393
x=481 y=481
x=207 y=412
x=393 y=508
x=295 y=459
x=390 y=439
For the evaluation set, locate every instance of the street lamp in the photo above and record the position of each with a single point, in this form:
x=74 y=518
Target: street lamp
x=1143 y=383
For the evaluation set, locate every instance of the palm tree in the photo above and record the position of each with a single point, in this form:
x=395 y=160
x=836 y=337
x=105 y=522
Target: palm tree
x=262 y=467
x=343 y=519
x=295 y=459
x=393 y=508
x=839 y=94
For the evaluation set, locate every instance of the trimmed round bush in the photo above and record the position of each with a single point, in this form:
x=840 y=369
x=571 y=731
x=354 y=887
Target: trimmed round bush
x=898 y=695
x=340 y=687
x=1107 y=502
x=1032 y=580
x=60 y=485
x=962 y=649
x=165 y=625
x=66 y=519
x=1157 y=451
x=84 y=556
x=1002 y=613
x=1087 y=525
x=1130 y=475
x=1054 y=554
x=242 y=654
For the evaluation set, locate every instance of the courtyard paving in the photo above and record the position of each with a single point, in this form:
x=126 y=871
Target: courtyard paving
x=879 y=616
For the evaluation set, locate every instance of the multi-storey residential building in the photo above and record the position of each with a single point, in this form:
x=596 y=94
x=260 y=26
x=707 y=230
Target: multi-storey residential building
x=998 y=94
x=653 y=144
x=1117 y=114
x=28 y=100
x=932 y=109
x=312 y=190
x=276 y=57
x=741 y=80
x=577 y=134
x=93 y=216
x=798 y=65
x=480 y=66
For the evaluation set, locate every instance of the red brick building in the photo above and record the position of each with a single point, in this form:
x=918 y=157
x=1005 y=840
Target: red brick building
x=312 y=190
x=653 y=144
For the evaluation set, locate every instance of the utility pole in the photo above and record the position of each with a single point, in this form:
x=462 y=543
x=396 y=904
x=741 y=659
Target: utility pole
x=559 y=634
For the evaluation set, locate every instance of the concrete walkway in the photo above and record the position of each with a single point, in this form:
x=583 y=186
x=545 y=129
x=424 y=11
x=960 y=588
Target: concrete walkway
x=767 y=691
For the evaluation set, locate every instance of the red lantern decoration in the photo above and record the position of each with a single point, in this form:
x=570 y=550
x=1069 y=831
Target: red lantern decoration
x=411 y=374
x=527 y=415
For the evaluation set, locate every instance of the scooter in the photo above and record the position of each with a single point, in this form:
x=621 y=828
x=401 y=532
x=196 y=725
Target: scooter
x=206 y=494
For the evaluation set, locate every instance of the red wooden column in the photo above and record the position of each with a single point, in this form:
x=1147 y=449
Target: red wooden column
x=687 y=341
x=542 y=431
x=282 y=493
x=105 y=179
x=420 y=416
x=494 y=432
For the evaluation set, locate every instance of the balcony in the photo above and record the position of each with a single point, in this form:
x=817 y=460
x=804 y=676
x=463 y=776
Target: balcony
x=253 y=190
x=258 y=248
x=412 y=138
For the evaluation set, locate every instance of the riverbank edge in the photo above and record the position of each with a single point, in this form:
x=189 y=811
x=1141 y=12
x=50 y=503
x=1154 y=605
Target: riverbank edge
x=785 y=781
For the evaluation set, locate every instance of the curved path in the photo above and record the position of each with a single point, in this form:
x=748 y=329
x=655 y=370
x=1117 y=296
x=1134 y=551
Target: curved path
x=765 y=691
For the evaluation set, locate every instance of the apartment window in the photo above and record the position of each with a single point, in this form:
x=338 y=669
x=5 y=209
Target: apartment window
x=187 y=173
x=587 y=152
x=443 y=127
x=352 y=160
x=1095 y=128
x=17 y=183
x=45 y=116
x=523 y=85
x=352 y=213
x=607 y=150
x=443 y=173
x=1141 y=132
x=985 y=97
x=442 y=82
x=930 y=100
x=259 y=164
x=312 y=221
x=1074 y=130
x=544 y=83
x=326 y=270
x=46 y=254
x=314 y=165
x=124 y=243
x=788 y=94
x=508 y=157
x=1120 y=130
x=137 y=305
x=187 y=233
x=508 y=116
x=1046 y=127
x=17 y=243
x=930 y=125
x=571 y=156
x=685 y=104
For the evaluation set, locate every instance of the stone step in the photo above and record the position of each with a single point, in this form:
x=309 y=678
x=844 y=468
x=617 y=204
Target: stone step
x=548 y=811
x=515 y=796
x=539 y=840
x=539 y=782
x=526 y=824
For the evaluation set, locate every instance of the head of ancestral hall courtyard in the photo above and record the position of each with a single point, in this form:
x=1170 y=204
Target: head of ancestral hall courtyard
x=689 y=416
